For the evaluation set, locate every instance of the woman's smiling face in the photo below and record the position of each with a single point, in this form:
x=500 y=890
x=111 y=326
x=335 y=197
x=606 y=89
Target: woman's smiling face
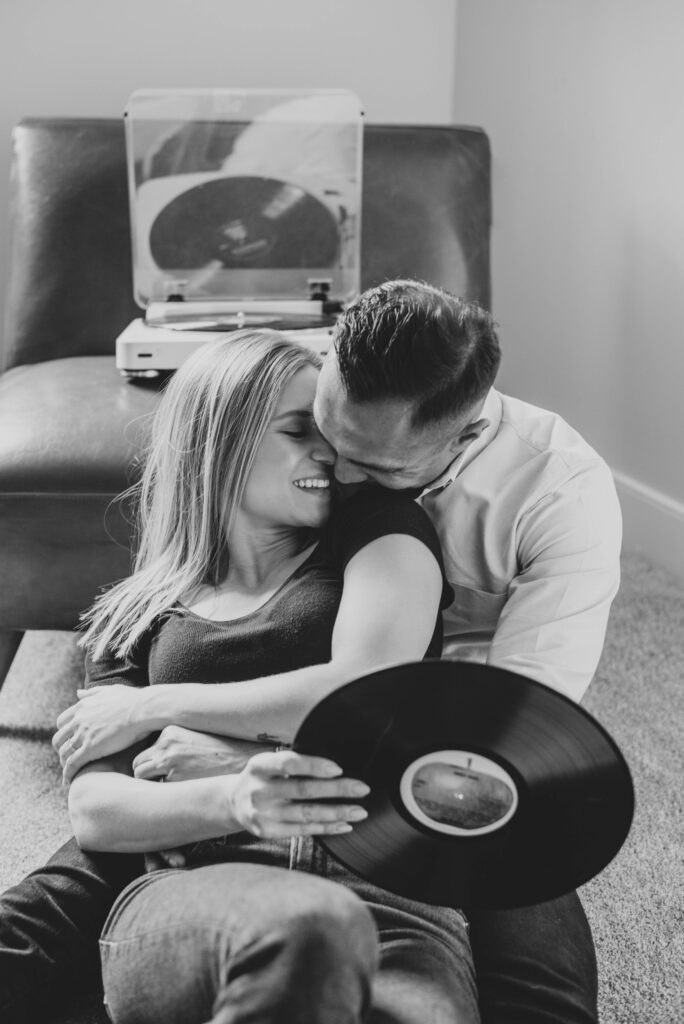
x=289 y=484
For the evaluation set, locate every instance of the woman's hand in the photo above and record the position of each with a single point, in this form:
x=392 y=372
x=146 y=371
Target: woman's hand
x=103 y=721
x=278 y=794
x=179 y=753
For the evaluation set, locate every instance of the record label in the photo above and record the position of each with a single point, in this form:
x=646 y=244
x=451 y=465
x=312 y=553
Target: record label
x=458 y=793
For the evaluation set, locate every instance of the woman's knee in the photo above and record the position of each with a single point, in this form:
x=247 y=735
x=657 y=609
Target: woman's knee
x=236 y=934
x=316 y=947
x=317 y=915
x=292 y=914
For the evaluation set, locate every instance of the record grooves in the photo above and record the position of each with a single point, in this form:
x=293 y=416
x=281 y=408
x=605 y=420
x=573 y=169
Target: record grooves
x=244 y=222
x=487 y=789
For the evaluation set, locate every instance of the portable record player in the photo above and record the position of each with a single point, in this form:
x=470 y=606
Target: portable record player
x=245 y=212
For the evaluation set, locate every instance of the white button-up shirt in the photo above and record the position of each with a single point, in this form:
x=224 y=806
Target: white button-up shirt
x=530 y=527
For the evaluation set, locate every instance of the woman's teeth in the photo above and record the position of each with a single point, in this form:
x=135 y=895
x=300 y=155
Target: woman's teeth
x=312 y=483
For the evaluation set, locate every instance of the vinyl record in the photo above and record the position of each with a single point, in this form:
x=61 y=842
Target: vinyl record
x=244 y=222
x=487 y=789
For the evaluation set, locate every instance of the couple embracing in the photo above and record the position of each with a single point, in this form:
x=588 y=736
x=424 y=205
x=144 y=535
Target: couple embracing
x=301 y=523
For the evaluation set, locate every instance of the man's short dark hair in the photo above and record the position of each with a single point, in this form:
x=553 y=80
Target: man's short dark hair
x=409 y=340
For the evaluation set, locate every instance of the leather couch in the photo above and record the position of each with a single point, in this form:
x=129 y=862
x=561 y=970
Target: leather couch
x=71 y=427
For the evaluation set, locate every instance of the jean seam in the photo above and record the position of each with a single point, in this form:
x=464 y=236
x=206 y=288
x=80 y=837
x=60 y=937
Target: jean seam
x=212 y=928
x=178 y=930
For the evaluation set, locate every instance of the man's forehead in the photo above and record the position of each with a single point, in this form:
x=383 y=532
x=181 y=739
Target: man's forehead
x=388 y=420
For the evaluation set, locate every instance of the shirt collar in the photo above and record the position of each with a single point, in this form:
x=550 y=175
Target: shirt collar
x=492 y=410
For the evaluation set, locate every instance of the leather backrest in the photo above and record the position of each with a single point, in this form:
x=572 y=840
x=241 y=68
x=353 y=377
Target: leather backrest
x=426 y=214
x=69 y=281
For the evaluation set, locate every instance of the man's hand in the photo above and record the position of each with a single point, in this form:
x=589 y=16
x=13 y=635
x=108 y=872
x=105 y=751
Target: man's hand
x=103 y=721
x=181 y=753
x=164 y=859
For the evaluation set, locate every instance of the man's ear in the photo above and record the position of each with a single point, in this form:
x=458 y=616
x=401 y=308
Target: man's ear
x=469 y=434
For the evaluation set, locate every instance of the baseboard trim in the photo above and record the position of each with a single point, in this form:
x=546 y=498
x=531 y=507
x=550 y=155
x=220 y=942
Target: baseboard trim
x=653 y=523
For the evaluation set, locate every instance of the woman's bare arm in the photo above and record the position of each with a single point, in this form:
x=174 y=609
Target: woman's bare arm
x=275 y=795
x=389 y=606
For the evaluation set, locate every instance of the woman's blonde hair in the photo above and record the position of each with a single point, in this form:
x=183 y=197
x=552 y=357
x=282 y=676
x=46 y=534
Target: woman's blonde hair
x=207 y=428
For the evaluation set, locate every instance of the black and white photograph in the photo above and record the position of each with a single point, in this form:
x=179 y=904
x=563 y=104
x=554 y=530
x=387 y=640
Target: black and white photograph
x=341 y=495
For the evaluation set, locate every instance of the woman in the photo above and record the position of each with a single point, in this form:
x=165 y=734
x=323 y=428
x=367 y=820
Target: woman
x=240 y=579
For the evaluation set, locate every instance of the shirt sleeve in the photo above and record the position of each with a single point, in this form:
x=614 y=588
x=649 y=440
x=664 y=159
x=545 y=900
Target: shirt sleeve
x=129 y=671
x=374 y=513
x=552 y=626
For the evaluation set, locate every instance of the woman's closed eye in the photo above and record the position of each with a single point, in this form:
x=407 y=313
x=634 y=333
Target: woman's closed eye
x=304 y=428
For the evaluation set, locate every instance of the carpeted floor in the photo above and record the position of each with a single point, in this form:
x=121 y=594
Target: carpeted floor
x=635 y=905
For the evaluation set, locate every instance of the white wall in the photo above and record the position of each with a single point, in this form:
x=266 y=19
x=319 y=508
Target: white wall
x=582 y=100
x=85 y=57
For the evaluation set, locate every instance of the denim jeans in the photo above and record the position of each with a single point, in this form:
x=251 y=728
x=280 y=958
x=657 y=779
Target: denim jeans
x=49 y=926
x=535 y=965
x=294 y=939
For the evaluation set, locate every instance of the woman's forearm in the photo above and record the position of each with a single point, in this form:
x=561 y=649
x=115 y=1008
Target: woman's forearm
x=111 y=812
x=268 y=709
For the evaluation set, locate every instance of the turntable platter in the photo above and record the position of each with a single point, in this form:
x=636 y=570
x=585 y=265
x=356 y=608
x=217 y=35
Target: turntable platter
x=244 y=222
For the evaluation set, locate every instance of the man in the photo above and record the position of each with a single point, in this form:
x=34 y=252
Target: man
x=530 y=528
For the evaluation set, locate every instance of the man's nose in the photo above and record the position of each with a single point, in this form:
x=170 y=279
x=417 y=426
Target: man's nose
x=347 y=473
x=323 y=452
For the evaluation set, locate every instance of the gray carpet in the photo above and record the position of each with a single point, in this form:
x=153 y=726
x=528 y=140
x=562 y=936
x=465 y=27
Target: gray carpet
x=634 y=905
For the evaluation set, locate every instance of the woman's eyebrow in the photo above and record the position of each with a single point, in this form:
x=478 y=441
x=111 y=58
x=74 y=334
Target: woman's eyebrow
x=294 y=412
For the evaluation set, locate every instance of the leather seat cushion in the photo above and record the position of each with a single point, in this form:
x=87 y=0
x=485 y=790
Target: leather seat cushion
x=56 y=554
x=70 y=435
x=71 y=426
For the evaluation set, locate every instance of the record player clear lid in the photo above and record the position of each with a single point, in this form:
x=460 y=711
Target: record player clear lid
x=241 y=194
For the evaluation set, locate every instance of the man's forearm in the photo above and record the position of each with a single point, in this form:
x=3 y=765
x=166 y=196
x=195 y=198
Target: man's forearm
x=180 y=753
x=268 y=710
